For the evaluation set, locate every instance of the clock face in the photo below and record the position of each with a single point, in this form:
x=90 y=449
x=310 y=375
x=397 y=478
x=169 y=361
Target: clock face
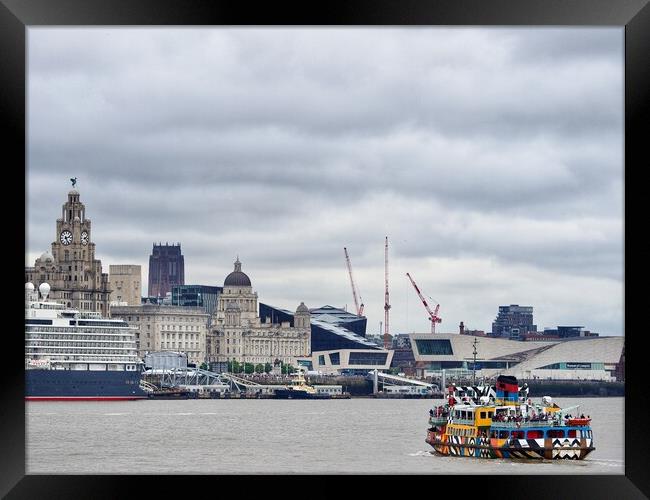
x=84 y=237
x=66 y=237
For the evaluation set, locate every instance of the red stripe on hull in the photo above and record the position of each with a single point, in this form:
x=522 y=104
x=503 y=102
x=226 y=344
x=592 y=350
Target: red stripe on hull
x=83 y=398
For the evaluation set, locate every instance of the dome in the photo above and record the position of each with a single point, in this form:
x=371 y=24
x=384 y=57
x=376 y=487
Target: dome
x=302 y=308
x=73 y=192
x=237 y=277
x=29 y=286
x=46 y=257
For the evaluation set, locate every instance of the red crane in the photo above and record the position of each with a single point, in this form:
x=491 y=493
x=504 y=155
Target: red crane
x=354 y=288
x=386 y=302
x=433 y=316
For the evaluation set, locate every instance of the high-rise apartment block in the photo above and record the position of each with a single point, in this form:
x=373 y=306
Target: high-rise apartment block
x=166 y=269
x=126 y=284
x=513 y=322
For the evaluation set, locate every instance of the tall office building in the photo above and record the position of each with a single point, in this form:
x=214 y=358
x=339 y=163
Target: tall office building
x=513 y=321
x=166 y=269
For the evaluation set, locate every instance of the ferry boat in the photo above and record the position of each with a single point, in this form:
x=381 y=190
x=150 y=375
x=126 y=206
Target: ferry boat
x=298 y=389
x=503 y=422
x=75 y=355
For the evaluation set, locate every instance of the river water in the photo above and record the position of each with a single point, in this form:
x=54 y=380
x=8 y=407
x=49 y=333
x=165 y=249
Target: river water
x=348 y=436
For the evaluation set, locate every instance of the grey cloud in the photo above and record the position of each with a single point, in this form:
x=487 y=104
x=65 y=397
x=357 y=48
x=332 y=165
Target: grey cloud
x=463 y=145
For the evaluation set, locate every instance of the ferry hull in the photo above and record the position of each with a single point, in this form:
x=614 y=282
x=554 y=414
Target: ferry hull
x=532 y=449
x=82 y=385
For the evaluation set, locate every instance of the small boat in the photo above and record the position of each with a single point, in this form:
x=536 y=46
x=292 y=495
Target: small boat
x=503 y=422
x=298 y=389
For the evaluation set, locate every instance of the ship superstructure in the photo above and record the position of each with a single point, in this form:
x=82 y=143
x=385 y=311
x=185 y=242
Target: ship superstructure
x=503 y=422
x=77 y=355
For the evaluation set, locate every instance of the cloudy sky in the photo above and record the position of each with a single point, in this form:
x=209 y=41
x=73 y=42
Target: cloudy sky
x=491 y=158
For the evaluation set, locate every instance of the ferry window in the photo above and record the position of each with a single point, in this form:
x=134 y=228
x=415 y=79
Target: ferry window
x=555 y=433
x=518 y=434
x=483 y=414
x=536 y=434
x=503 y=434
x=572 y=433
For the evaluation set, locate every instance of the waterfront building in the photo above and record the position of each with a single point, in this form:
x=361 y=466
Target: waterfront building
x=71 y=269
x=334 y=348
x=340 y=317
x=125 y=281
x=168 y=328
x=166 y=269
x=350 y=361
x=197 y=296
x=580 y=358
x=513 y=321
x=238 y=333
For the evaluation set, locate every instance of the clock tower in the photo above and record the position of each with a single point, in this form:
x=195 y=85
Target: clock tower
x=74 y=275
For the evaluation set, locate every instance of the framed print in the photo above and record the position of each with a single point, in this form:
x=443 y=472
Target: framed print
x=285 y=163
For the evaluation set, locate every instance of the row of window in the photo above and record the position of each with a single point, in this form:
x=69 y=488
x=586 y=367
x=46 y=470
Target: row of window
x=84 y=351
x=72 y=345
x=540 y=434
x=72 y=338
x=169 y=318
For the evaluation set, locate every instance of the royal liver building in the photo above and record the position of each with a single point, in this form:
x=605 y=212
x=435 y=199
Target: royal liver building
x=238 y=334
x=74 y=275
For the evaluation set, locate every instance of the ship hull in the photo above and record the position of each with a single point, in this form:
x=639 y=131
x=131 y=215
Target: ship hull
x=290 y=394
x=529 y=449
x=82 y=385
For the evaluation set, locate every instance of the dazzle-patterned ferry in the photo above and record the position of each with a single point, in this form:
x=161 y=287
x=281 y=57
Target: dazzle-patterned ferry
x=503 y=422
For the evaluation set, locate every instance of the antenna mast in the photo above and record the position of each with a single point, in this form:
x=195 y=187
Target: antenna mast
x=386 y=299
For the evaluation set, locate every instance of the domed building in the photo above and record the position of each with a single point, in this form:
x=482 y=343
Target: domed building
x=238 y=333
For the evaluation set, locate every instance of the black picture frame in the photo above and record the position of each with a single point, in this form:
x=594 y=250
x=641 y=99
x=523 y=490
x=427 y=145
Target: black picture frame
x=18 y=15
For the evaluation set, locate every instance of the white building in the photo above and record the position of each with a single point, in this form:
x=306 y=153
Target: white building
x=582 y=358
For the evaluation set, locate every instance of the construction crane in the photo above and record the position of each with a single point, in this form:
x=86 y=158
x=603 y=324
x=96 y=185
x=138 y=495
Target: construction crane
x=386 y=301
x=354 y=288
x=433 y=316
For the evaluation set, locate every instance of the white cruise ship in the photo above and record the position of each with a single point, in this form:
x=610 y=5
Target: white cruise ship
x=75 y=355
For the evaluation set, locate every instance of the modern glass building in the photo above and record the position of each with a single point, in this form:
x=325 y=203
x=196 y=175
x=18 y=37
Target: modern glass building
x=340 y=317
x=196 y=296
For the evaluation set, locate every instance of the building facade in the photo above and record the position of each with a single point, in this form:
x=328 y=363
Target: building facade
x=125 y=281
x=595 y=358
x=168 y=328
x=237 y=332
x=196 y=296
x=166 y=269
x=74 y=275
x=513 y=321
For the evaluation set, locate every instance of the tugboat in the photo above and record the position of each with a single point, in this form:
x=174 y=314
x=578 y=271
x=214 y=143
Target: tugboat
x=503 y=422
x=299 y=390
